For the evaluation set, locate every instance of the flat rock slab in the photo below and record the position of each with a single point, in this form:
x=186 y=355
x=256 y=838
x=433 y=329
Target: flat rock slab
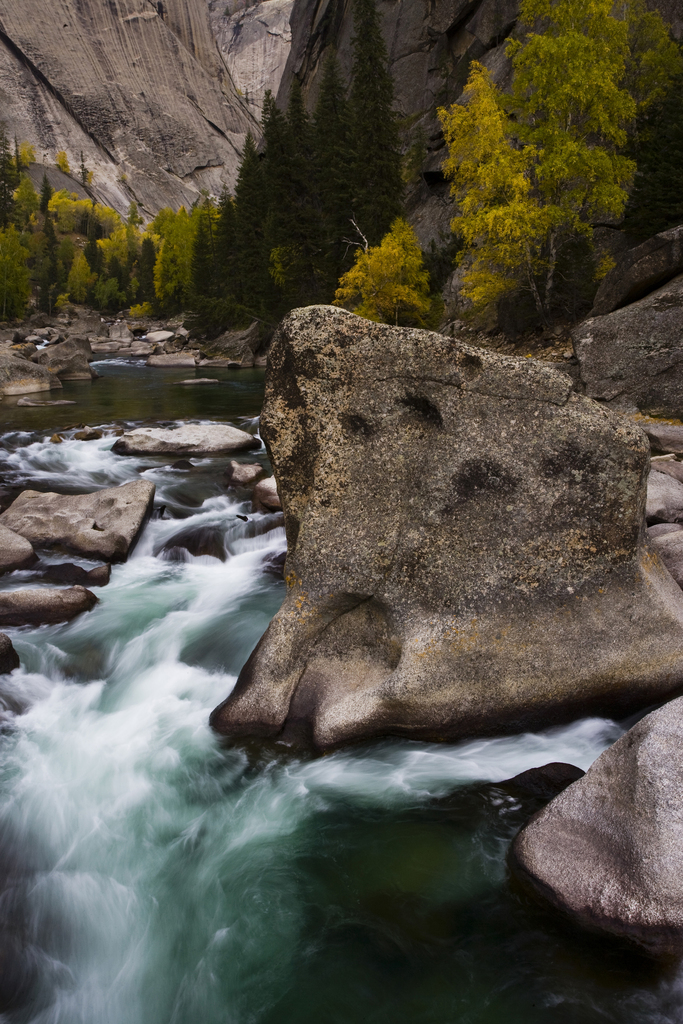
x=664 y=437
x=608 y=851
x=212 y=439
x=104 y=524
x=158 y=337
x=183 y=362
x=36 y=607
x=15 y=551
x=465 y=545
x=664 y=498
x=199 y=380
x=39 y=405
x=634 y=356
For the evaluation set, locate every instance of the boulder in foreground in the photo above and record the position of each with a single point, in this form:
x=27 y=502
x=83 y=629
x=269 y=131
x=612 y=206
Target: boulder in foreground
x=103 y=524
x=20 y=377
x=609 y=850
x=634 y=356
x=37 y=607
x=465 y=545
x=211 y=439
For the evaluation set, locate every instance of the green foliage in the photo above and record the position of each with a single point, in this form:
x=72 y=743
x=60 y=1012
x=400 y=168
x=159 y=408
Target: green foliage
x=26 y=154
x=252 y=282
x=377 y=183
x=332 y=147
x=388 y=283
x=656 y=200
x=26 y=201
x=9 y=178
x=80 y=279
x=46 y=192
x=62 y=162
x=14 y=277
x=173 y=268
x=533 y=170
x=145 y=270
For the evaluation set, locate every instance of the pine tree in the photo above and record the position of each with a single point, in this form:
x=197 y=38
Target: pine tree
x=145 y=271
x=225 y=243
x=332 y=144
x=656 y=200
x=46 y=193
x=376 y=173
x=48 y=277
x=203 y=256
x=250 y=210
x=9 y=179
x=92 y=251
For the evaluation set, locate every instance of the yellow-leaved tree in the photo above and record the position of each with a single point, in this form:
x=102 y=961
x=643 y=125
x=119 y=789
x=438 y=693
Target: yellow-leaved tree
x=533 y=171
x=388 y=282
x=62 y=162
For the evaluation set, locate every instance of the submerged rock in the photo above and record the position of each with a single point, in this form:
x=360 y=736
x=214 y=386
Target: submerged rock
x=67 y=572
x=9 y=659
x=465 y=545
x=634 y=356
x=35 y=607
x=609 y=850
x=544 y=782
x=105 y=523
x=198 y=380
x=210 y=439
x=15 y=551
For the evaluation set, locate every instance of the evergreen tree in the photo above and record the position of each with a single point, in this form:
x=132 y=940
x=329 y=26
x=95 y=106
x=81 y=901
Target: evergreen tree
x=9 y=179
x=92 y=251
x=656 y=200
x=251 y=255
x=14 y=279
x=332 y=144
x=46 y=193
x=145 y=272
x=376 y=172
x=225 y=244
x=204 y=256
x=48 y=276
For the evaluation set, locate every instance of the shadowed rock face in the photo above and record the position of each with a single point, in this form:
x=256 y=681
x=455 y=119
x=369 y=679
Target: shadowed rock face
x=466 y=550
x=609 y=850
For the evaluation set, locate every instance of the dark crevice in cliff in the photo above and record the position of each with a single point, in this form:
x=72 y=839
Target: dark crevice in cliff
x=17 y=52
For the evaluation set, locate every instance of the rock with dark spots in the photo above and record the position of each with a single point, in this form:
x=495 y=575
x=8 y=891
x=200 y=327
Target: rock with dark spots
x=197 y=540
x=640 y=271
x=68 y=360
x=664 y=437
x=190 y=439
x=21 y=377
x=104 y=524
x=634 y=356
x=465 y=545
x=545 y=782
x=664 y=499
x=669 y=547
x=35 y=607
x=265 y=497
x=15 y=551
x=9 y=659
x=67 y=572
x=609 y=850
x=243 y=474
x=661 y=529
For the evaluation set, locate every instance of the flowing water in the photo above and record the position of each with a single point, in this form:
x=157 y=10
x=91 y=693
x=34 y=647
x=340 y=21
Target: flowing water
x=152 y=875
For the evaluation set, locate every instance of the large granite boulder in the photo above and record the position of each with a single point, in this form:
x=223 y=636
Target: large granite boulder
x=190 y=439
x=104 y=524
x=609 y=850
x=633 y=357
x=640 y=271
x=466 y=550
x=18 y=376
x=69 y=360
x=37 y=607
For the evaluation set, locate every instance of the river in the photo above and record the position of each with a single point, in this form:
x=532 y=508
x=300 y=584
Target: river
x=152 y=875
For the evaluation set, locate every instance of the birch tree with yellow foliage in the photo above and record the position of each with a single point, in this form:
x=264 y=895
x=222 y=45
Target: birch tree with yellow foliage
x=535 y=169
x=388 y=282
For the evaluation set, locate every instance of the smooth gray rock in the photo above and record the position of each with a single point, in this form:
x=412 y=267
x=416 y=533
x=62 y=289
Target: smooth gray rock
x=669 y=547
x=199 y=380
x=69 y=360
x=159 y=337
x=21 y=377
x=243 y=474
x=15 y=551
x=36 y=607
x=120 y=332
x=609 y=850
x=640 y=271
x=664 y=437
x=265 y=497
x=664 y=499
x=9 y=659
x=210 y=439
x=634 y=356
x=466 y=552
x=104 y=524
x=661 y=529
x=171 y=361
